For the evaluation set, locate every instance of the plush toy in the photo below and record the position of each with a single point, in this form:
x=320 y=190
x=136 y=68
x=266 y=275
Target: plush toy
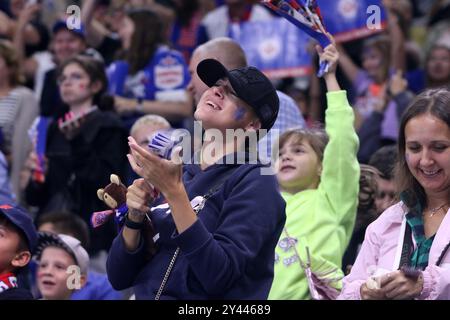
x=114 y=195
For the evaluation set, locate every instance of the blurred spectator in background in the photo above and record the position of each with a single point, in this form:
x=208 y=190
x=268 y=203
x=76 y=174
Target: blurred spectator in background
x=366 y=213
x=219 y=21
x=97 y=286
x=83 y=148
x=142 y=131
x=384 y=160
x=438 y=65
x=151 y=78
x=66 y=43
x=187 y=32
x=18 y=109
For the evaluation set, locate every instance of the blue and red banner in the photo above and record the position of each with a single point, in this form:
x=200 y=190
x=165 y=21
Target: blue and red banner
x=348 y=20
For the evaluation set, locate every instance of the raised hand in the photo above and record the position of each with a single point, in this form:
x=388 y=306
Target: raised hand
x=164 y=175
x=329 y=54
x=397 y=83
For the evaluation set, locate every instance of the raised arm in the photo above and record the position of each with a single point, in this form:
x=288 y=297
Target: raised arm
x=94 y=32
x=23 y=30
x=349 y=67
x=340 y=172
x=396 y=36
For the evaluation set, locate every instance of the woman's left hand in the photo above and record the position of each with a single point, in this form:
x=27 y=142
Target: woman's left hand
x=397 y=286
x=164 y=175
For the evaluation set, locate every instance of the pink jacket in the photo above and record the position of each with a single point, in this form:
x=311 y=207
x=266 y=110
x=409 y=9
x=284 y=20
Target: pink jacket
x=382 y=249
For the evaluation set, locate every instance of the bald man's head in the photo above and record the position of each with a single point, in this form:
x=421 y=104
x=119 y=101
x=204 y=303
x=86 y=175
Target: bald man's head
x=225 y=50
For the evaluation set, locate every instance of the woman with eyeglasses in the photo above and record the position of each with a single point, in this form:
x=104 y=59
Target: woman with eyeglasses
x=83 y=148
x=405 y=253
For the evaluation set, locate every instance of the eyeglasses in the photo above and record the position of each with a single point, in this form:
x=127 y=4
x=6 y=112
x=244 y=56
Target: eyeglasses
x=71 y=77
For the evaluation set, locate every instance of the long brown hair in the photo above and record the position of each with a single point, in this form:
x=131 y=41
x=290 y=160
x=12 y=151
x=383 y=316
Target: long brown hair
x=432 y=101
x=148 y=35
x=9 y=54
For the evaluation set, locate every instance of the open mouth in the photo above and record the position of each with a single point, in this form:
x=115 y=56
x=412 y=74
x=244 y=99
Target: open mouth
x=213 y=105
x=47 y=283
x=430 y=173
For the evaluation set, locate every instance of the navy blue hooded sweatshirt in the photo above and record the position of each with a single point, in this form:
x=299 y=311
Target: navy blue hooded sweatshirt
x=228 y=253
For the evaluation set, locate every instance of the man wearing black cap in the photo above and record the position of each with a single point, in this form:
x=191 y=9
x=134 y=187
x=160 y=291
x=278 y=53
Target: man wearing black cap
x=18 y=238
x=218 y=222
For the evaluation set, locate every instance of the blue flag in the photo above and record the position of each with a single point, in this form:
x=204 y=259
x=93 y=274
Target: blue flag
x=348 y=20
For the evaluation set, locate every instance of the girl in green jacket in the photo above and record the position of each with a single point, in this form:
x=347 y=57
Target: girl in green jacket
x=318 y=175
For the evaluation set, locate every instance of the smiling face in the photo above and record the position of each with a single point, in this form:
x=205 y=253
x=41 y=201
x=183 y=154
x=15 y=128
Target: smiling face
x=298 y=166
x=66 y=45
x=220 y=108
x=428 y=153
x=51 y=273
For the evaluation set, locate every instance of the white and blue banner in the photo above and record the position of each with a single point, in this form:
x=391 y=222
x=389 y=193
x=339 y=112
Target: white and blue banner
x=348 y=20
x=276 y=47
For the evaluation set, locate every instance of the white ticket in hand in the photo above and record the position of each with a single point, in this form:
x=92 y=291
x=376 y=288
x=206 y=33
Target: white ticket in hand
x=374 y=280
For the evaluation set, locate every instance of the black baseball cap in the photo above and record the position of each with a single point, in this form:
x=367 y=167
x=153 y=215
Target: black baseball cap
x=22 y=220
x=250 y=85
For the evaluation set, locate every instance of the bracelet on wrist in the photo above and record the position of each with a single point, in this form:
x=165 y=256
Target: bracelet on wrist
x=133 y=224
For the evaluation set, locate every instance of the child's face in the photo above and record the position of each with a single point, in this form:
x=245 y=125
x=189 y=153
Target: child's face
x=9 y=245
x=144 y=132
x=75 y=85
x=298 y=166
x=385 y=195
x=52 y=276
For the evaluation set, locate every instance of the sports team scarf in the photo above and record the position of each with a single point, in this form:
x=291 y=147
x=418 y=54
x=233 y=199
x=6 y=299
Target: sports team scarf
x=7 y=281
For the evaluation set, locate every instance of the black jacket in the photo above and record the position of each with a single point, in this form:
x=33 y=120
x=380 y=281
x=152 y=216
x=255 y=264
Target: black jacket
x=16 y=294
x=78 y=167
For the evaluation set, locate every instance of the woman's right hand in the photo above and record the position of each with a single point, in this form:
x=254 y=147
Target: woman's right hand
x=371 y=294
x=139 y=196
